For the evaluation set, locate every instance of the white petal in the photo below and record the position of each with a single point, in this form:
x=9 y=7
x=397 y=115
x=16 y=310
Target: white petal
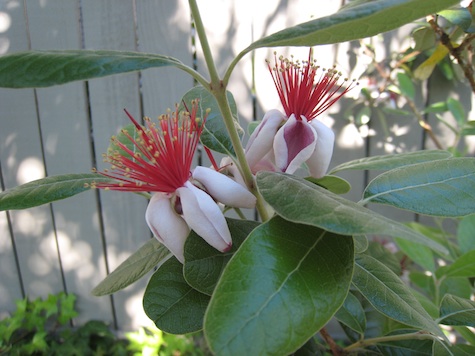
x=204 y=216
x=294 y=143
x=224 y=189
x=167 y=226
x=229 y=168
x=320 y=160
x=261 y=140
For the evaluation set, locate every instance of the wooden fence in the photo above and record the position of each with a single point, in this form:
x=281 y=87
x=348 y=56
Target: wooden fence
x=70 y=245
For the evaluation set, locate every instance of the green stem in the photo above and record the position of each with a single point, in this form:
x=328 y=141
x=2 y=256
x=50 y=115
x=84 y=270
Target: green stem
x=218 y=89
x=197 y=76
x=200 y=31
x=421 y=335
x=233 y=64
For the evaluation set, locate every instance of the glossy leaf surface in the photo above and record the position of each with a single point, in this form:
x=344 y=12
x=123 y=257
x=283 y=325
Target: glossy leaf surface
x=307 y=203
x=447 y=187
x=352 y=314
x=457 y=311
x=364 y=20
x=171 y=303
x=389 y=295
x=284 y=284
x=204 y=264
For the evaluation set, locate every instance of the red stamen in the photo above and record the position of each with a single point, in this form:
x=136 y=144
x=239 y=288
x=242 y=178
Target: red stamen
x=300 y=92
x=160 y=158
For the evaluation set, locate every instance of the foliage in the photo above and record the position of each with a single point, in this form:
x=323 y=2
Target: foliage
x=316 y=256
x=153 y=341
x=43 y=327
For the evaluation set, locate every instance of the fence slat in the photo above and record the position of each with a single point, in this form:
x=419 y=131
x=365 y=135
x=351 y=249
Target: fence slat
x=22 y=161
x=64 y=128
x=110 y=25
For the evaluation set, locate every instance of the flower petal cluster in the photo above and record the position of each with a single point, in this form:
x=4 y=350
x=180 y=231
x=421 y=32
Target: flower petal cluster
x=283 y=142
x=157 y=159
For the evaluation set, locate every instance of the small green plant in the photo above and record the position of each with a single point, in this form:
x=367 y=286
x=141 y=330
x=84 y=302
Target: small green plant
x=43 y=327
x=152 y=341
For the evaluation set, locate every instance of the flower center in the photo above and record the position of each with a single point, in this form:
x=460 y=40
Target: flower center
x=305 y=88
x=154 y=158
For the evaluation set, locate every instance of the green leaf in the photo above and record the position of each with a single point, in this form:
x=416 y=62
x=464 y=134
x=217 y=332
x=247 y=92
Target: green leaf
x=457 y=110
x=307 y=203
x=460 y=17
x=150 y=255
x=357 y=22
x=424 y=38
x=381 y=253
x=47 y=68
x=407 y=347
x=440 y=106
x=464 y=266
x=427 y=304
x=386 y=162
x=47 y=190
x=252 y=126
x=440 y=188
x=461 y=349
x=468 y=128
x=406 y=85
x=361 y=243
x=389 y=295
x=418 y=253
x=363 y=116
x=468 y=335
x=457 y=311
x=215 y=135
x=131 y=130
x=171 y=303
x=459 y=286
x=204 y=264
x=334 y=184
x=466 y=234
x=352 y=314
x=284 y=284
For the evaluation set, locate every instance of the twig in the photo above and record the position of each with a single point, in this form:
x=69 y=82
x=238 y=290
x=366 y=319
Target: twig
x=336 y=350
x=456 y=51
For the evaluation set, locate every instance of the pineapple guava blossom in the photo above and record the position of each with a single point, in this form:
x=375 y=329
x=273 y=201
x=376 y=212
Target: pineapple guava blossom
x=284 y=141
x=159 y=160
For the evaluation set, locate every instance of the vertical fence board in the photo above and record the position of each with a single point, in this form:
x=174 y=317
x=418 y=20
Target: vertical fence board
x=164 y=27
x=22 y=161
x=65 y=132
x=10 y=283
x=110 y=25
x=10 y=278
